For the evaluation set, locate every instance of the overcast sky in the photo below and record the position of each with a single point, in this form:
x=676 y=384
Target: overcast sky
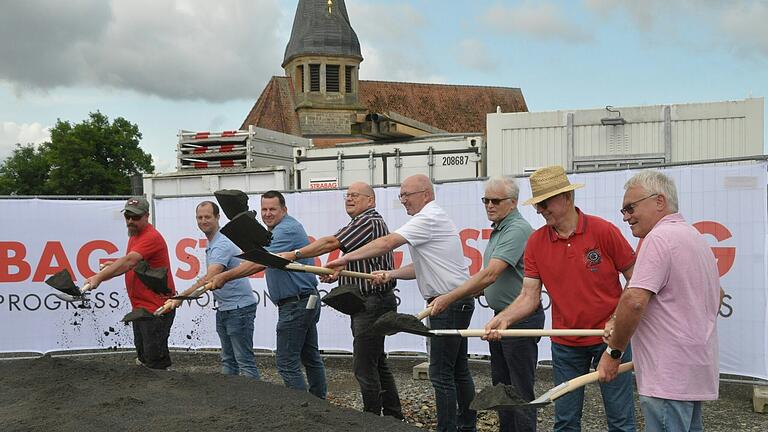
x=200 y=65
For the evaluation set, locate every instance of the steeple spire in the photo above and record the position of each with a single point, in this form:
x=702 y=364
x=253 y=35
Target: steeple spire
x=322 y=27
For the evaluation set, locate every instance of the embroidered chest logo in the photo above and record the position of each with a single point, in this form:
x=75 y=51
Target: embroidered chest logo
x=592 y=259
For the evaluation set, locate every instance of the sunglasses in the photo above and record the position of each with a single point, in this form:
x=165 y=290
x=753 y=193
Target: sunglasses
x=494 y=201
x=630 y=208
x=132 y=216
x=405 y=195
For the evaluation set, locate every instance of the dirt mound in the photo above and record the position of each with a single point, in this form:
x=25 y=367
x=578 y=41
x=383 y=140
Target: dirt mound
x=65 y=394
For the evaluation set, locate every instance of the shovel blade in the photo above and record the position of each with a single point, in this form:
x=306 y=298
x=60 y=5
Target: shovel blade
x=500 y=397
x=261 y=256
x=246 y=232
x=392 y=322
x=232 y=202
x=137 y=314
x=62 y=281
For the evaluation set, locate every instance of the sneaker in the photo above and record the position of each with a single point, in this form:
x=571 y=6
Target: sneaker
x=138 y=362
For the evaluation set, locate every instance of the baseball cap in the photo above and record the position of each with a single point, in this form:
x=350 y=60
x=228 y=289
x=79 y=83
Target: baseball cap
x=137 y=205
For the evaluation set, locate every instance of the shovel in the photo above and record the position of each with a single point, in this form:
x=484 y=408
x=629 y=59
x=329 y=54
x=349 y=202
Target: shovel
x=393 y=322
x=62 y=281
x=196 y=294
x=519 y=332
x=262 y=256
x=137 y=314
x=246 y=232
x=502 y=397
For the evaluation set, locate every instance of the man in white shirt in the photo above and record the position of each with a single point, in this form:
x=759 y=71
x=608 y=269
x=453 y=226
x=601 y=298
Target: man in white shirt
x=438 y=267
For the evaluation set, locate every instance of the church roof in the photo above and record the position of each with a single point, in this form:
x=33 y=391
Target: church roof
x=316 y=31
x=452 y=108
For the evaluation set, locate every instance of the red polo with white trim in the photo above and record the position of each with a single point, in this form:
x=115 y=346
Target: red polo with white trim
x=580 y=274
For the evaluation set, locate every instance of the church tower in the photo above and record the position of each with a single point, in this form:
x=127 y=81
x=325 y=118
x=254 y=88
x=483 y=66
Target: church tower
x=322 y=60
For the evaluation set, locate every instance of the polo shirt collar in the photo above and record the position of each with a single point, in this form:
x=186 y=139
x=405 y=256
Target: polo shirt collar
x=366 y=212
x=514 y=214
x=581 y=226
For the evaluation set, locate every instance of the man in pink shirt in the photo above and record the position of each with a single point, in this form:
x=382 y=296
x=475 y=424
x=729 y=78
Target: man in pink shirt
x=669 y=310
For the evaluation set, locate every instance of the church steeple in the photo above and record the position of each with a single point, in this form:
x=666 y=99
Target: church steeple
x=321 y=27
x=322 y=59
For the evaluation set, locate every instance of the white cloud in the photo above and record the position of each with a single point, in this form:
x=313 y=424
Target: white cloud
x=21 y=133
x=182 y=49
x=746 y=27
x=473 y=54
x=735 y=25
x=391 y=42
x=537 y=20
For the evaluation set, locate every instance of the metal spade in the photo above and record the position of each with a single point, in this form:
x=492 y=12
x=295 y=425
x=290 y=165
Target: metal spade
x=393 y=322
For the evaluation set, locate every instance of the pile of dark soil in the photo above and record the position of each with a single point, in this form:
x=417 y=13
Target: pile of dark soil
x=65 y=394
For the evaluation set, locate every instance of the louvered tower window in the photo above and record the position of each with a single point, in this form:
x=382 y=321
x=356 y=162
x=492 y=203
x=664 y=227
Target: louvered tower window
x=332 y=78
x=348 y=78
x=314 y=77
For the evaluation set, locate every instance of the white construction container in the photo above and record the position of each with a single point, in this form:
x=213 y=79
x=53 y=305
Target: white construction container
x=441 y=157
x=614 y=137
x=206 y=182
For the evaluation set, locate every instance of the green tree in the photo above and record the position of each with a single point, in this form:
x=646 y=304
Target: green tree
x=25 y=172
x=95 y=157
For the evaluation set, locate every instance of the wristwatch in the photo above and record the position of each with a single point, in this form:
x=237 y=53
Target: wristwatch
x=297 y=253
x=614 y=353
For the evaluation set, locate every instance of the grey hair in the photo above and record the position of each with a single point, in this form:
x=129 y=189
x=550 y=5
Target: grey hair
x=508 y=183
x=655 y=182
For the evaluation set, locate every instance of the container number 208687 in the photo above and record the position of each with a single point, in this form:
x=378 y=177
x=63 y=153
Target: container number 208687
x=455 y=160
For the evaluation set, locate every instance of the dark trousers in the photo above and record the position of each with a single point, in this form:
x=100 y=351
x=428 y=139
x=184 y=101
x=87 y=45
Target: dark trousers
x=513 y=362
x=369 y=362
x=449 y=370
x=150 y=336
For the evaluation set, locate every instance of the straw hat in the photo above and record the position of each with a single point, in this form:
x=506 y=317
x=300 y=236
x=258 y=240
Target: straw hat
x=548 y=182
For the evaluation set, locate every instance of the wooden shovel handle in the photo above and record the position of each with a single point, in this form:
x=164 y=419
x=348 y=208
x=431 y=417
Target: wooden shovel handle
x=533 y=332
x=589 y=378
x=423 y=314
x=326 y=271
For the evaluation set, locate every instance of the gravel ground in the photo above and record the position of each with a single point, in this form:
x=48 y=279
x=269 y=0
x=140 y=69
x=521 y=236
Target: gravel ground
x=732 y=412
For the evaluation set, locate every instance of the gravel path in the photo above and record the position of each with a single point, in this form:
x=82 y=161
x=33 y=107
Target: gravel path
x=733 y=412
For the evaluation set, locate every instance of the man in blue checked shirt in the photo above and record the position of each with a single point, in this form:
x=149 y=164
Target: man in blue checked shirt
x=236 y=302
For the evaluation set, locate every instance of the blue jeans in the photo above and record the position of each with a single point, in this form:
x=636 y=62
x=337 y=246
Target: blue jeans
x=235 y=329
x=297 y=345
x=513 y=362
x=568 y=362
x=665 y=415
x=369 y=361
x=449 y=370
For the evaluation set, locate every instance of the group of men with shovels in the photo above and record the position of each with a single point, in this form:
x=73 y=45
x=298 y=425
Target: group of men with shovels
x=577 y=257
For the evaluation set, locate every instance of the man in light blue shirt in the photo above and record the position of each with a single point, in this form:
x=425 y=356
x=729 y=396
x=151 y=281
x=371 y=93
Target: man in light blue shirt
x=236 y=302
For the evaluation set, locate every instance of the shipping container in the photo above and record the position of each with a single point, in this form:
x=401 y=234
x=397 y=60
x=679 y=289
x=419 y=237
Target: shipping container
x=441 y=157
x=615 y=137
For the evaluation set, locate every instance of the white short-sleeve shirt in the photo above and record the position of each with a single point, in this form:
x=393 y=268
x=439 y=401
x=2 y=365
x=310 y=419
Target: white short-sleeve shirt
x=435 y=247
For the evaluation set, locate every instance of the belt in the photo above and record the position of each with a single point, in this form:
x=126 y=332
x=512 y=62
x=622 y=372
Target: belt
x=292 y=299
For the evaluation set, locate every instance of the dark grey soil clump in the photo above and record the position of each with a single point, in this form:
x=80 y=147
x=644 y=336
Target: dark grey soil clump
x=52 y=394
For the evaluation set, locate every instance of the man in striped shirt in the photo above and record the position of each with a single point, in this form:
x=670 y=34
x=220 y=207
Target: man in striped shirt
x=369 y=363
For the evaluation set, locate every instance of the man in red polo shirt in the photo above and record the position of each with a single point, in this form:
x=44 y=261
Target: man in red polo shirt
x=578 y=257
x=150 y=335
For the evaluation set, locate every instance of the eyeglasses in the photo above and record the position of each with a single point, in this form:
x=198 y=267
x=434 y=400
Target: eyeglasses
x=354 y=195
x=407 y=194
x=132 y=216
x=494 y=201
x=630 y=208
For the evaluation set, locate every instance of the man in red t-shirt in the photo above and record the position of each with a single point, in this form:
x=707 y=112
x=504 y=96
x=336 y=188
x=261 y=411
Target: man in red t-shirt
x=150 y=335
x=578 y=257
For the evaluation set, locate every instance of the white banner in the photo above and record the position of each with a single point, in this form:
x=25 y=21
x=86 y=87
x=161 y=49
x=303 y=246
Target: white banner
x=727 y=204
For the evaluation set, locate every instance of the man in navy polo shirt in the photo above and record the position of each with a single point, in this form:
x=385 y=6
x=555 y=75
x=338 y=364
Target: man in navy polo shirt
x=297 y=341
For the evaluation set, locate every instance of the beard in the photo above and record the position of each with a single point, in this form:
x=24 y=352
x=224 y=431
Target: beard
x=133 y=231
